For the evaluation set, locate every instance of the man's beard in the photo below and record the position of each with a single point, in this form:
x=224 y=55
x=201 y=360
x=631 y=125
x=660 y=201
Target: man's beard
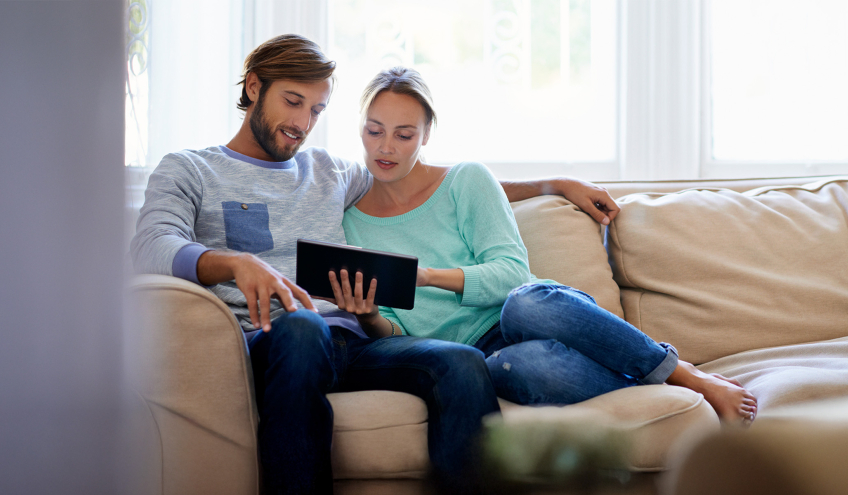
x=266 y=136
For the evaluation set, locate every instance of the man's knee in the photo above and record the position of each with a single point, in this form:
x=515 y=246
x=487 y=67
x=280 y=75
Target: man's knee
x=460 y=365
x=303 y=334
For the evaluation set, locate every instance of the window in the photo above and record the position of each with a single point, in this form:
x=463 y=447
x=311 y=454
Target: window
x=515 y=82
x=184 y=58
x=600 y=89
x=778 y=71
x=137 y=87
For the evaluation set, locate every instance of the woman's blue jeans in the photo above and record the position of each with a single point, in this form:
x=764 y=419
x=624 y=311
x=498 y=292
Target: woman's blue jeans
x=302 y=359
x=555 y=345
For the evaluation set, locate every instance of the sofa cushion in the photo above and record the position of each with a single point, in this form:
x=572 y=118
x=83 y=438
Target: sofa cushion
x=379 y=434
x=802 y=455
x=717 y=272
x=649 y=419
x=566 y=245
x=789 y=375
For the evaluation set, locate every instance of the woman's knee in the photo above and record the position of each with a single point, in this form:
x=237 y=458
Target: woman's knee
x=532 y=300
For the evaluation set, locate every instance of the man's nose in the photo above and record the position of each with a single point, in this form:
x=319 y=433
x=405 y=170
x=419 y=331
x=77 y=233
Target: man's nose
x=303 y=121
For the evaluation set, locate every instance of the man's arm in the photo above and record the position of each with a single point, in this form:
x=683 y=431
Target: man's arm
x=592 y=199
x=257 y=280
x=165 y=244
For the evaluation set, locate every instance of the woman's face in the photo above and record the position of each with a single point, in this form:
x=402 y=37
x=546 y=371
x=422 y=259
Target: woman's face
x=393 y=134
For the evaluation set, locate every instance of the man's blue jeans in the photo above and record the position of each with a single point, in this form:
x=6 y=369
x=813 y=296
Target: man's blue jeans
x=556 y=345
x=302 y=359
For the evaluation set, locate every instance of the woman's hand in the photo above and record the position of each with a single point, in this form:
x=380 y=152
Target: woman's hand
x=352 y=299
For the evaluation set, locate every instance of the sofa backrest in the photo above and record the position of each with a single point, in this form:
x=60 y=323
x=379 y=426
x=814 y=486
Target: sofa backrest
x=566 y=245
x=716 y=272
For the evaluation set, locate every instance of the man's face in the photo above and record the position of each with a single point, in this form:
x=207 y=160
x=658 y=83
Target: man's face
x=285 y=113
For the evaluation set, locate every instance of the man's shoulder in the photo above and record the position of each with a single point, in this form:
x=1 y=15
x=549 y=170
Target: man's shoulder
x=193 y=163
x=206 y=155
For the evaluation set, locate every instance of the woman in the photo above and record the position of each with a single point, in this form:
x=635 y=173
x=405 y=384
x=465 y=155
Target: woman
x=544 y=342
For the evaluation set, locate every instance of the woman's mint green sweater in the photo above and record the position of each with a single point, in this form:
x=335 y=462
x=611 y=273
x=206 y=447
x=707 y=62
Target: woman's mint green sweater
x=467 y=223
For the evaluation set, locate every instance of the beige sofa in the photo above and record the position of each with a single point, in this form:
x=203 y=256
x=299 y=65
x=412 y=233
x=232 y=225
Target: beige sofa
x=748 y=278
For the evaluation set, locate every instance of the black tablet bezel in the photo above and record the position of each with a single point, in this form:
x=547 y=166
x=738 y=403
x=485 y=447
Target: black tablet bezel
x=396 y=273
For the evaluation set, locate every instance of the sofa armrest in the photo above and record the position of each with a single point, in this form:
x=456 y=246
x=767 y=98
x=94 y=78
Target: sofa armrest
x=800 y=451
x=187 y=359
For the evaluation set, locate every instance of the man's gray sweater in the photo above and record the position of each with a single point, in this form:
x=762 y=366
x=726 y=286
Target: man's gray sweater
x=219 y=199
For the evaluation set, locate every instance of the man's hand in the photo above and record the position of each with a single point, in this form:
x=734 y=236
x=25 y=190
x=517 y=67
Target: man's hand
x=257 y=280
x=592 y=199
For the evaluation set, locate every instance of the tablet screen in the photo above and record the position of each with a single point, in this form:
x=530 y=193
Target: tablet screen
x=396 y=273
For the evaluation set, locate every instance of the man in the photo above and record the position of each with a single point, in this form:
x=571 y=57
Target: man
x=227 y=217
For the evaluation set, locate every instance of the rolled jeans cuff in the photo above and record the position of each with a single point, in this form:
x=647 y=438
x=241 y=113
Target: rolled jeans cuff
x=665 y=369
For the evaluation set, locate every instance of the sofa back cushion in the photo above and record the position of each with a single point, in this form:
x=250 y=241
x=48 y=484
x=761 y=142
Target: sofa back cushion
x=566 y=245
x=716 y=272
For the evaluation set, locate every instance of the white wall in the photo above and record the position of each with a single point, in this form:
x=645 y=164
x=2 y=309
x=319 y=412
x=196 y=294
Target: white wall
x=61 y=214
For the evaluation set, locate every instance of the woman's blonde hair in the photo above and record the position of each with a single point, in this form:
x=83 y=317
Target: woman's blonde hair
x=402 y=81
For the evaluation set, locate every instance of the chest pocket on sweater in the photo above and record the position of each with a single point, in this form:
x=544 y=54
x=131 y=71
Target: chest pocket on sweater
x=246 y=226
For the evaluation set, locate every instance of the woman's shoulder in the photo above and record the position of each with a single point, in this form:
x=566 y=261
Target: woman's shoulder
x=472 y=174
x=471 y=167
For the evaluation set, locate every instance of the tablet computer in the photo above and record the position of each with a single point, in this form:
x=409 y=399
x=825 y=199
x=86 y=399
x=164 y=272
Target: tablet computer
x=395 y=273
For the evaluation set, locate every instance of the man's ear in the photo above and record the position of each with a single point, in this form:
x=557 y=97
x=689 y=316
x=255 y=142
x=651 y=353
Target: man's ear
x=252 y=86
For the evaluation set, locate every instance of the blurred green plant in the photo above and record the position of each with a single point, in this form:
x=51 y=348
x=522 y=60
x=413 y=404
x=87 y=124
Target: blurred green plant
x=528 y=456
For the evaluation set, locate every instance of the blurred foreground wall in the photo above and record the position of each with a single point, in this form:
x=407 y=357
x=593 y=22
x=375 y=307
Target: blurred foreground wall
x=61 y=214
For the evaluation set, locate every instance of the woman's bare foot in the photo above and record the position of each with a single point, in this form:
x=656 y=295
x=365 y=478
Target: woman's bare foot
x=733 y=404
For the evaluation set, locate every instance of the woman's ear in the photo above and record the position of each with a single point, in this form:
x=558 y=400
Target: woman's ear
x=427 y=134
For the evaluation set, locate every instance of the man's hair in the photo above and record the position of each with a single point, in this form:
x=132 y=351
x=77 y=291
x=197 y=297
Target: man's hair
x=288 y=56
x=403 y=81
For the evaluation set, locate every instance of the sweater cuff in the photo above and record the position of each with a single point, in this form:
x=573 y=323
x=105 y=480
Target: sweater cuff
x=471 y=289
x=184 y=265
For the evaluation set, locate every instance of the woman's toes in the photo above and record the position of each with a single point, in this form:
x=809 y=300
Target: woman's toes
x=747 y=418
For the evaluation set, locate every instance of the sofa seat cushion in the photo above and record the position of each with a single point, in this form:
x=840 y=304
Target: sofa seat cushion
x=786 y=376
x=717 y=272
x=379 y=434
x=566 y=245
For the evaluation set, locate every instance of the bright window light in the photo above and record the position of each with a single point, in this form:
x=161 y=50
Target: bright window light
x=522 y=81
x=779 y=79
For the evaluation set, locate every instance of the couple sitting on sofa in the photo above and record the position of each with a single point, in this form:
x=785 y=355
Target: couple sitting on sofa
x=227 y=217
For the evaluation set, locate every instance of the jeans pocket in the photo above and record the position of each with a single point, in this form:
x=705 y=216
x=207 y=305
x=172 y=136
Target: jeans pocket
x=246 y=227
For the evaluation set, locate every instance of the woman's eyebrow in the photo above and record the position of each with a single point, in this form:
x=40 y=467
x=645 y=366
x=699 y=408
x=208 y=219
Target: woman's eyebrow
x=405 y=126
